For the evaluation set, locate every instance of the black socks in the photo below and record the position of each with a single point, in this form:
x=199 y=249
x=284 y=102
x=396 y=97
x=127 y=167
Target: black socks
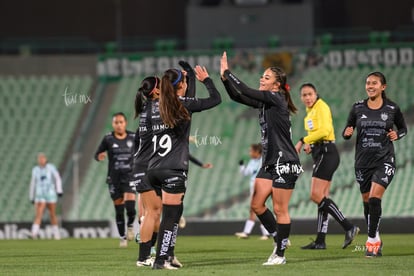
x=168 y=231
x=131 y=212
x=120 y=219
x=154 y=238
x=283 y=231
x=323 y=221
x=144 y=250
x=375 y=211
x=269 y=222
x=366 y=211
x=330 y=207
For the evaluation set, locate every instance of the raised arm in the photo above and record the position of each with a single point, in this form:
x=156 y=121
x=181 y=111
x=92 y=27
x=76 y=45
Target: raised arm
x=254 y=94
x=233 y=90
x=237 y=97
x=198 y=105
x=191 y=79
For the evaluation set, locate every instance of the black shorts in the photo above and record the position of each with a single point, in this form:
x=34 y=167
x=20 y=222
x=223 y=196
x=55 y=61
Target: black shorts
x=285 y=174
x=264 y=174
x=382 y=175
x=140 y=180
x=170 y=181
x=118 y=184
x=325 y=160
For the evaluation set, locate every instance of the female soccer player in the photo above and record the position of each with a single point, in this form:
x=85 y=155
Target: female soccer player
x=374 y=118
x=119 y=144
x=252 y=168
x=168 y=165
x=320 y=142
x=150 y=202
x=280 y=158
x=45 y=187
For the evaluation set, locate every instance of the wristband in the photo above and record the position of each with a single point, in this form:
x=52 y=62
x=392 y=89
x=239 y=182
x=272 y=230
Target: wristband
x=301 y=139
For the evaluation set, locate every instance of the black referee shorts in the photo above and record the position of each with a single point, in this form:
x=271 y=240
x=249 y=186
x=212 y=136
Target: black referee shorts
x=325 y=160
x=170 y=181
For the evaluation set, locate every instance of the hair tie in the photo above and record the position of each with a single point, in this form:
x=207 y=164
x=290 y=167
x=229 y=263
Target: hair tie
x=287 y=87
x=180 y=75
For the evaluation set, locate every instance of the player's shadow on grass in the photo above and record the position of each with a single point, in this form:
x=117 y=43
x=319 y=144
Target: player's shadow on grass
x=197 y=251
x=221 y=261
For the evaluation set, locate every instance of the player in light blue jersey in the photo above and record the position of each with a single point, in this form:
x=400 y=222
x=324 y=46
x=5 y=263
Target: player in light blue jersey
x=45 y=187
x=251 y=169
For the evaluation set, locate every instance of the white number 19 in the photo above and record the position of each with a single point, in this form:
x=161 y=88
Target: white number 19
x=164 y=143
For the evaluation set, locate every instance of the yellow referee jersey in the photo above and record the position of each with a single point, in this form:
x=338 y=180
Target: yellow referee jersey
x=318 y=123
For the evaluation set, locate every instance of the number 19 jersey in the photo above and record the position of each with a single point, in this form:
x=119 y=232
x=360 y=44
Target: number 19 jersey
x=170 y=145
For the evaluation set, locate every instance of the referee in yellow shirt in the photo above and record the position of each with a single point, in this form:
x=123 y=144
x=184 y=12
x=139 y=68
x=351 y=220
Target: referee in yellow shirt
x=320 y=142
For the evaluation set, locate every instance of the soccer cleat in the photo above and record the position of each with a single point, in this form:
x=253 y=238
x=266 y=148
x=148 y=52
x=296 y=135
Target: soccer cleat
x=350 y=236
x=147 y=262
x=241 y=235
x=314 y=245
x=175 y=262
x=130 y=234
x=379 y=253
x=166 y=265
x=275 y=260
x=372 y=249
x=264 y=238
x=273 y=255
x=123 y=243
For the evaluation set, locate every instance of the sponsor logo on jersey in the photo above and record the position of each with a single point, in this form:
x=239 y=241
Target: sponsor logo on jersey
x=115 y=146
x=385 y=179
x=384 y=116
x=129 y=143
x=364 y=116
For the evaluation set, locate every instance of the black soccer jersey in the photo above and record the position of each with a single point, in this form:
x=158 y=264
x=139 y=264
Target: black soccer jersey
x=373 y=146
x=120 y=152
x=170 y=145
x=143 y=137
x=274 y=120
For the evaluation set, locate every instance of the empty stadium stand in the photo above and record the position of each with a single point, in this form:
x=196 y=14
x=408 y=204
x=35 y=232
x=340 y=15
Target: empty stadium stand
x=35 y=118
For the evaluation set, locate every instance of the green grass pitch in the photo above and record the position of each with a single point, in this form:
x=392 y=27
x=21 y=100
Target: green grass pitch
x=205 y=256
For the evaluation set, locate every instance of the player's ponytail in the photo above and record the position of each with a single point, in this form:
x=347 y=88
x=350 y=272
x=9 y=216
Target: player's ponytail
x=282 y=79
x=145 y=91
x=382 y=80
x=171 y=109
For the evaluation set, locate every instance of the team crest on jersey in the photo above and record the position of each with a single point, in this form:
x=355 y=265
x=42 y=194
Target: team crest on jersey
x=129 y=143
x=384 y=116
